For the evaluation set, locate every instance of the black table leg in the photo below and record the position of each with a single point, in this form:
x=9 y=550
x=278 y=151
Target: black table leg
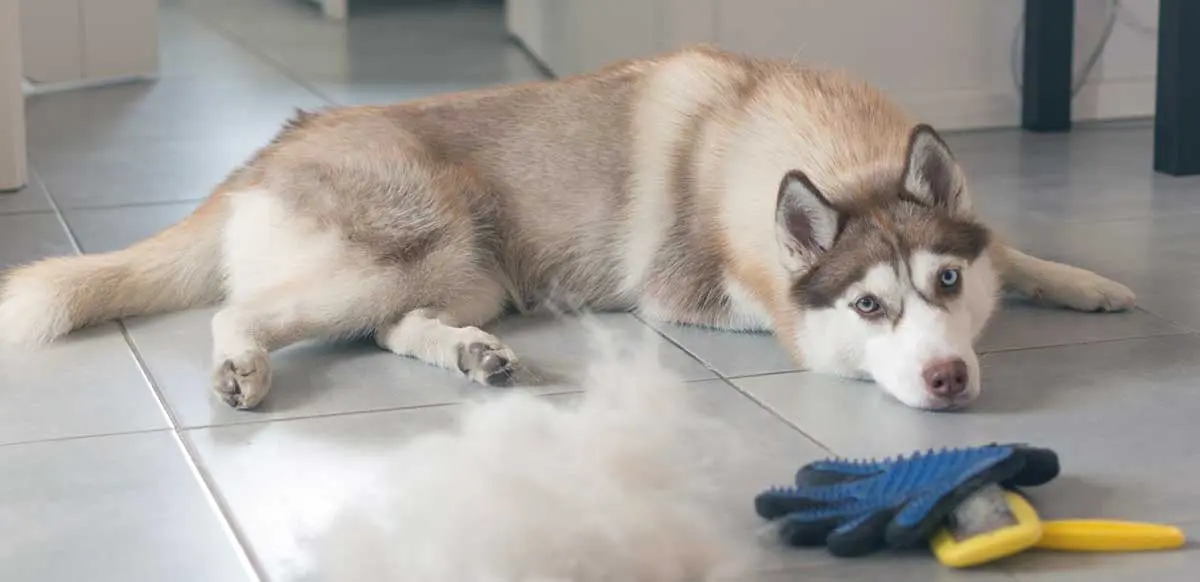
x=1046 y=82
x=1177 y=99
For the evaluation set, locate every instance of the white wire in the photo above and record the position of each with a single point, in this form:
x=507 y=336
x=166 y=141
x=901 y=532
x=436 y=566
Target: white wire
x=1126 y=16
x=1114 y=11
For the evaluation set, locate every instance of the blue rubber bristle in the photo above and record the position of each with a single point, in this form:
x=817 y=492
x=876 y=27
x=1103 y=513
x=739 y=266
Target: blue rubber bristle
x=892 y=482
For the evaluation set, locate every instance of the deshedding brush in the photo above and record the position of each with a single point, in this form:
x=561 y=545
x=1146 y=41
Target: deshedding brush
x=994 y=523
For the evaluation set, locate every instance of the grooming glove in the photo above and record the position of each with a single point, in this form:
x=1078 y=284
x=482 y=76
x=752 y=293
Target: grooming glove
x=855 y=507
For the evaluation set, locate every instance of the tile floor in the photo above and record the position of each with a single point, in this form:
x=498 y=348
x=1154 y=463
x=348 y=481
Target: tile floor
x=117 y=465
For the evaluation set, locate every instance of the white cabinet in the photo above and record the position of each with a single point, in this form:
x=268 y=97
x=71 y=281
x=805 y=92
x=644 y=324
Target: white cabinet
x=85 y=42
x=12 y=102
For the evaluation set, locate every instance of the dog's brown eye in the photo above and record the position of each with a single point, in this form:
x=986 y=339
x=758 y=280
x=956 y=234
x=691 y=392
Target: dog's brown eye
x=867 y=305
x=949 y=277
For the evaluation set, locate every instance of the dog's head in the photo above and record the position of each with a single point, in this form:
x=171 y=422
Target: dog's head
x=895 y=288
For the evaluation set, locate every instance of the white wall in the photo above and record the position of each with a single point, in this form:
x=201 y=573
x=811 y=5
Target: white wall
x=13 y=173
x=948 y=60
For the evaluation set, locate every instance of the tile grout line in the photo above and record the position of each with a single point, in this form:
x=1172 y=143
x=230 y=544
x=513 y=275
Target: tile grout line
x=120 y=206
x=780 y=417
x=318 y=416
x=1180 y=333
x=80 y=437
x=26 y=212
x=1172 y=322
x=771 y=373
x=249 y=563
x=262 y=57
x=146 y=204
x=564 y=391
x=245 y=554
x=670 y=340
x=729 y=382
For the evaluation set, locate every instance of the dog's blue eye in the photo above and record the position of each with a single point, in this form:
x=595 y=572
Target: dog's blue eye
x=867 y=305
x=949 y=277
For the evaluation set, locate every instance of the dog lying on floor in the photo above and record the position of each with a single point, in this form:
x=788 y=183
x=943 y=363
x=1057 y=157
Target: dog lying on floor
x=697 y=187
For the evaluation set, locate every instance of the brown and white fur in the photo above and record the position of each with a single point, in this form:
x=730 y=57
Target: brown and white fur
x=698 y=187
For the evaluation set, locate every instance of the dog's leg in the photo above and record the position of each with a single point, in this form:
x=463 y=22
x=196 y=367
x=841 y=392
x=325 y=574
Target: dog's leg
x=448 y=337
x=432 y=337
x=248 y=329
x=1062 y=284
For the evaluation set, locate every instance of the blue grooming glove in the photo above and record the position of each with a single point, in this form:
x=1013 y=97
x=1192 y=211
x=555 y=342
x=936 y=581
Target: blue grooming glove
x=855 y=507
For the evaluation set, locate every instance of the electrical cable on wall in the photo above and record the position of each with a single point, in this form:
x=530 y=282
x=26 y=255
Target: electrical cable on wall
x=1115 y=12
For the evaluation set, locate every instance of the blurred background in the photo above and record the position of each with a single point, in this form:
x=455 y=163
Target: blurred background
x=955 y=63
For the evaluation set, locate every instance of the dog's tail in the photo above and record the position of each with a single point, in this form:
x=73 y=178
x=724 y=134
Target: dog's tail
x=177 y=268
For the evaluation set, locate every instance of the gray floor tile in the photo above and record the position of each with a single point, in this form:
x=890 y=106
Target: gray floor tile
x=314 y=379
x=730 y=353
x=557 y=351
x=1021 y=324
x=1116 y=412
x=383 y=55
x=256 y=466
x=1100 y=172
x=85 y=384
x=100 y=230
x=208 y=88
x=1138 y=251
x=31 y=198
x=28 y=237
x=1103 y=195
x=72 y=125
x=145 y=172
x=119 y=508
x=190 y=49
x=916 y=566
x=373 y=80
x=1157 y=257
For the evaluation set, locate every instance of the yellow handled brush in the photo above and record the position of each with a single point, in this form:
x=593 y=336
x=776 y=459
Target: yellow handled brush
x=995 y=523
x=1101 y=535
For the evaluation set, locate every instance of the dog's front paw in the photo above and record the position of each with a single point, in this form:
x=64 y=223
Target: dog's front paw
x=1088 y=291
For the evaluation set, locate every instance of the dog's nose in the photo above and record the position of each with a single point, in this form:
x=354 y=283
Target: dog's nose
x=947 y=378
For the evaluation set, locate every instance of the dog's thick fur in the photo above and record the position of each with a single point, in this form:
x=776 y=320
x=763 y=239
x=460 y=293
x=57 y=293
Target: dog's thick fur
x=698 y=187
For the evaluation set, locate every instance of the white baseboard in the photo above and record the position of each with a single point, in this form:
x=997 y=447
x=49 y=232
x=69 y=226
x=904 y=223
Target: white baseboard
x=30 y=88
x=1000 y=108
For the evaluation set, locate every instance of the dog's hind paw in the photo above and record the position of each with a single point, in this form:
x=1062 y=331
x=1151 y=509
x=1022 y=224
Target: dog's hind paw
x=487 y=362
x=244 y=381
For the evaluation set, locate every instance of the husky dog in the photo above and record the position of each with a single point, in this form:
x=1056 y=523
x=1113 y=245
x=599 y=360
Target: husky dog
x=697 y=187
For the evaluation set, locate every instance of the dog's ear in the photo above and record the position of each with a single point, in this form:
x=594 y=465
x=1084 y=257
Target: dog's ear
x=931 y=174
x=806 y=224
